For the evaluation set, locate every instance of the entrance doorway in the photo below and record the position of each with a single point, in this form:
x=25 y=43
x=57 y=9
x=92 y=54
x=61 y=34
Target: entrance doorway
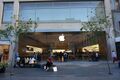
x=4 y=53
x=78 y=45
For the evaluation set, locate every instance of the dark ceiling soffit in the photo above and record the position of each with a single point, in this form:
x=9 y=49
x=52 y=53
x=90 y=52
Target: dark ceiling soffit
x=37 y=41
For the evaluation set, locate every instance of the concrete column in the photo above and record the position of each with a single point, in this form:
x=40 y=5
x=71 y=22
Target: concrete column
x=16 y=9
x=110 y=40
x=1 y=12
x=15 y=17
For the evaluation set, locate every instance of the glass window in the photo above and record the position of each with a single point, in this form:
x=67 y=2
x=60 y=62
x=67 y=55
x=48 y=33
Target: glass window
x=60 y=11
x=79 y=14
x=112 y=4
x=8 y=12
x=117 y=4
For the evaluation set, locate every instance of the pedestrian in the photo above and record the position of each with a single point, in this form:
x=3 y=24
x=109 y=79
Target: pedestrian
x=18 y=61
x=39 y=57
x=119 y=63
x=32 y=62
x=1 y=54
x=61 y=56
x=114 y=56
x=49 y=64
x=96 y=56
x=65 y=55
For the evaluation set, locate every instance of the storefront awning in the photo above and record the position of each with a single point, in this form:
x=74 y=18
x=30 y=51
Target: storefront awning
x=4 y=42
x=117 y=39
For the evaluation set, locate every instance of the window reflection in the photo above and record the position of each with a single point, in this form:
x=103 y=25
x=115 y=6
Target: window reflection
x=117 y=4
x=7 y=12
x=60 y=11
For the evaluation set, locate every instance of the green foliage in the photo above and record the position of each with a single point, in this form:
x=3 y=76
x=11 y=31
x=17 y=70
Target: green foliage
x=16 y=29
x=12 y=32
x=3 y=65
x=99 y=25
x=22 y=27
x=96 y=27
x=3 y=34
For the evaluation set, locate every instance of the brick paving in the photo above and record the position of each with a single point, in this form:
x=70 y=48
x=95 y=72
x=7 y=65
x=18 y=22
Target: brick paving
x=72 y=70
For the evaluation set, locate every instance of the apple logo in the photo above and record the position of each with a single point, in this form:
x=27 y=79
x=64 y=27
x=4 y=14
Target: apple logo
x=62 y=38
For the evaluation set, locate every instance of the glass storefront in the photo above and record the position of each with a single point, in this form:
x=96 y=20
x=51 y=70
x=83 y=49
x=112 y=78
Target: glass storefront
x=79 y=45
x=61 y=11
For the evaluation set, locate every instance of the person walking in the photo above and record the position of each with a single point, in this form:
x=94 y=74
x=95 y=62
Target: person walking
x=119 y=63
x=1 y=54
x=49 y=64
x=114 y=56
x=65 y=55
x=96 y=56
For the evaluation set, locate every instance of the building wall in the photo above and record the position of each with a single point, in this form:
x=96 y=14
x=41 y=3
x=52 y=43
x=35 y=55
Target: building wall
x=116 y=22
x=60 y=26
x=116 y=17
x=72 y=26
x=1 y=11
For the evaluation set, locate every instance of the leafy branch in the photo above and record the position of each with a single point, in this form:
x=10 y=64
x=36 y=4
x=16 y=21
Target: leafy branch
x=16 y=29
x=99 y=25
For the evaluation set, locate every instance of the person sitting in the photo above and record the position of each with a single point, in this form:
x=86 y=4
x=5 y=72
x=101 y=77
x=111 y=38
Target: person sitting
x=32 y=62
x=49 y=64
x=18 y=61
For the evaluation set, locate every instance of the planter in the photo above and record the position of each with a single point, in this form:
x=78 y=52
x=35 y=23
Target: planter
x=2 y=69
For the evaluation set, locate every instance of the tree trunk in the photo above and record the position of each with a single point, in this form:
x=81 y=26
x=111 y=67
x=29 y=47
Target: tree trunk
x=13 y=52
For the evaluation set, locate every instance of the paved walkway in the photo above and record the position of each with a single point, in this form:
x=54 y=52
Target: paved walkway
x=73 y=70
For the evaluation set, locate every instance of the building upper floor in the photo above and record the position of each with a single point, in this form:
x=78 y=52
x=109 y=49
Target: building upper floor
x=62 y=11
x=115 y=5
x=53 y=13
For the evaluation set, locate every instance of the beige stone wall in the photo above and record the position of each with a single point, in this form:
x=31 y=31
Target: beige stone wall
x=111 y=40
x=1 y=11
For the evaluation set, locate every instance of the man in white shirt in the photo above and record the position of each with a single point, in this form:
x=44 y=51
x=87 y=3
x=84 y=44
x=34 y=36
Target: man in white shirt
x=96 y=56
x=114 y=56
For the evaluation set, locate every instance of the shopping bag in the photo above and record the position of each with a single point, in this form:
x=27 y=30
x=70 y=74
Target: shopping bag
x=44 y=67
x=55 y=69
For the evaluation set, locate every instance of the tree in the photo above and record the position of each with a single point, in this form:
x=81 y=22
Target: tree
x=99 y=24
x=12 y=32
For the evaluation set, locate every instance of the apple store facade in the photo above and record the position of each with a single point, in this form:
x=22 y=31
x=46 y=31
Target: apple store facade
x=58 y=20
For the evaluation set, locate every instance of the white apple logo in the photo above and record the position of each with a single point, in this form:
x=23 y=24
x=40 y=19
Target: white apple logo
x=62 y=38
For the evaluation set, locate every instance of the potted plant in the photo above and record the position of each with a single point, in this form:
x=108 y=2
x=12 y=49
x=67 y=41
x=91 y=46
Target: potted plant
x=3 y=67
